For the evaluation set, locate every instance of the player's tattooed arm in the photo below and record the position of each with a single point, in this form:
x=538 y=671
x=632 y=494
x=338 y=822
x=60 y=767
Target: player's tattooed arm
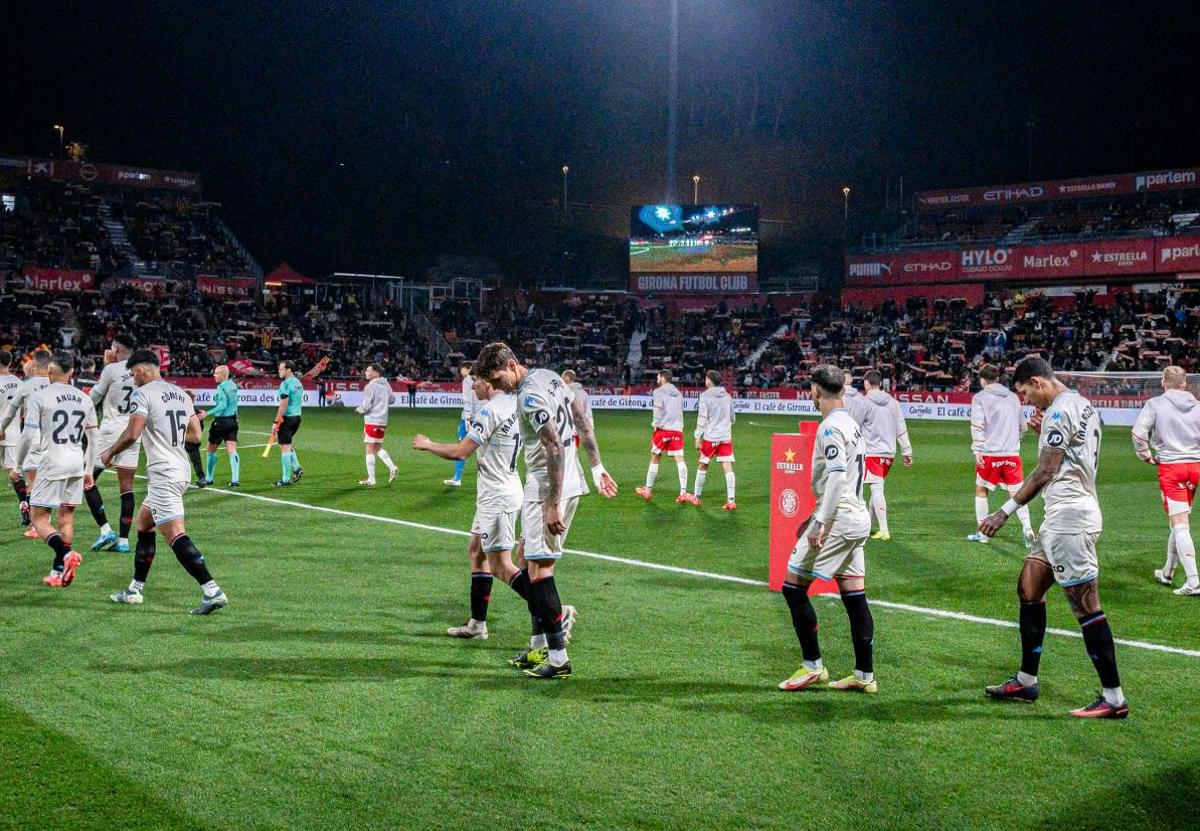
x=587 y=432
x=1049 y=461
x=555 y=460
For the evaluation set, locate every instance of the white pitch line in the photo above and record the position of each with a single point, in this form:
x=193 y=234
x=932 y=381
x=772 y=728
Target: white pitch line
x=727 y=578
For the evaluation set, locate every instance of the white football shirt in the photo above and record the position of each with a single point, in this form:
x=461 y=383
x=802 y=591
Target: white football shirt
x=9 y=385
x=996 y=422
x=715 y=415
x=377 y=398
x=494 y=428
x=840 y=448
x=113 y=393
x=668 y=408
x=1071 y=424
x=543 y=399
x=58 y=415
x=1170 y=423
x=168 y=410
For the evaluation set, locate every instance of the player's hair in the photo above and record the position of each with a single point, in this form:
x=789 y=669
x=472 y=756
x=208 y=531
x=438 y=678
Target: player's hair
x=492 y=358
x=568 y=375
x=873 y=377
x=63 y=361
x=375 y=368
x=465 y=365
x=1175 y=377
x=41 y=358
x=1030 y=367
x=665 y=374
x=143 y=356
x=713 y=376
x=288 y=365
x=87 y=364
x=847 y=374
x=829 y=379
x=989 y=372
x=125 y=339
x=5 y=358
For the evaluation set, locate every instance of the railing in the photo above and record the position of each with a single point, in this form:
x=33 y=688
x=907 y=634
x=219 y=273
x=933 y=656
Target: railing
x=255 y=268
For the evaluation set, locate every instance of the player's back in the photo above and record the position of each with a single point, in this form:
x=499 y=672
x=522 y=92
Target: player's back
x=668 y=408
x=996 y=411
x=495 y=429
x=114 y=393
x=853 y=399
x=9 y=387
x=60 y=414
x=716 y=406
x=1176 y=433
x=377 y=399
x=543 y=399
x=167 y=410
x=469 y=402
x=841 y=447
x=880 y=419
x=1072 y=424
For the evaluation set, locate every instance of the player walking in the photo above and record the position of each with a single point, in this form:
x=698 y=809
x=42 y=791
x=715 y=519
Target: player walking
x=469 y=404
x=10 y=386
x=548 y=414
x=287 y=422
x=1065 y=547
x=56 y=417
x=163 y=414
x=376 y=402
x=36 y=368
x=113 y=395
x=1167 y=434
x=667 y=423
x=714 y=436
x=223 y=429
x=883 y=426
x=996 y=429
x=832 y=543
x=852 y=397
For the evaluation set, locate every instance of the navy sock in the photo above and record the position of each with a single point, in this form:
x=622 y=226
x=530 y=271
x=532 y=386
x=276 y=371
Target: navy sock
x=1033 y=633
x=143 y=555
x=60 y=548
x=95 y=503
x=1098 y=638
x=547 y=608
x=481 y=594
x=190 y=558
x=804 y=620
x=126 y=515
x=862 y=629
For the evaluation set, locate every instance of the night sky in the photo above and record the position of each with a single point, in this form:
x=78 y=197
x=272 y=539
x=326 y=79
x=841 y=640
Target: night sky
x=377 y=135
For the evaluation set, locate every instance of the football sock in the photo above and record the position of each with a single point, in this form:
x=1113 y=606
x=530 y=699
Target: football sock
x=548 y=608
x=1098 y=638
x=683 y=475
x=699 y=489
x=1172 y=556
x=60 y=549
x=190 y=558
x=981 y=510
x=126 y=516
x=804 y=621
x=193 y=453
x=295 y=458
x=235 y=466
x=95 y=503
x=730 y=485
x=1185 y=549
x=138 y=586
x=651 y=475
x=481 y=593
x=370 y=467
x=386 y=459
x=21 y=489
x=520 y=584
x=459 y=466
x=212 y=466
x=143 y=557
x=1033 y=632
x=862 y=632
x=879 y=506
x=211 y=589
x=285 y=462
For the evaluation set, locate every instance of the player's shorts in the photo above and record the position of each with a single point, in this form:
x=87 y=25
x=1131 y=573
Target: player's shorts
x=495 y=527
x=1178 y=481
x=107 y=436
x=56 y=493
x=1072 y=557
x=722 y=451
x=223 y=429
x=538 y=544
x=374 y=433
x=877 y=468
x=841 y=555
x=999 y=470
x=671 y=443
x=8 y=456
x=288 y=427
x=164 y=500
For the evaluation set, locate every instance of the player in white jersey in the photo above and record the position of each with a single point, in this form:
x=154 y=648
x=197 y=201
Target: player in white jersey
x=376 y=402
x=852 y=397
x=1065 y=548
x=549 y=415
x=163 y=418
x=572 y=381
x=469 y=404
x=36 y=369
x=57 y=417
x=113 y=396
x=996 y=429
x=715 y=417
x=667 y=437
x=1167 y=434
x=883 y=426
x=10 y=385
x=831 y=545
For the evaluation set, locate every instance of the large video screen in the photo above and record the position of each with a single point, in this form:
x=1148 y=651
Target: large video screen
x=714 y=239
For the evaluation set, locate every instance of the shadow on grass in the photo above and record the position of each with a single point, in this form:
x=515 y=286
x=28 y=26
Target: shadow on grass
x=1165 y=800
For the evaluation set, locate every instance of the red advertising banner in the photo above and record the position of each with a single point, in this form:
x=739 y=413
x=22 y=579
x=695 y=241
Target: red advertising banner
x=1122 y=184
x=112 y=174
x=693 y=283
x=58 y=280
x=211 y=286
x=1103 y=258
x=792 y=500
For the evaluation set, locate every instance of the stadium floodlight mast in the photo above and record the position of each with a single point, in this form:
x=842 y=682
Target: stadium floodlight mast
x=672 y=101
x=58 y=128
x=696 y=189
x=566 y=170
x=846 y=202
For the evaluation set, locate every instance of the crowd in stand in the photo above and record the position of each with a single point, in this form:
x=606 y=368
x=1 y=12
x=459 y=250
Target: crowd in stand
x=57 y=226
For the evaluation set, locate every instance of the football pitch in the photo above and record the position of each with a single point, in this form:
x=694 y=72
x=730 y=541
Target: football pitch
x=328 y=696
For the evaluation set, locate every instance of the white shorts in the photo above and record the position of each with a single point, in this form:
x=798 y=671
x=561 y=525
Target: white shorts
x=107 y=436
x=496 y=527
x=538 y=544
x=164 y=500
x=8 y=456
x=56 y=493
x=1072 y=557
x=839 y=556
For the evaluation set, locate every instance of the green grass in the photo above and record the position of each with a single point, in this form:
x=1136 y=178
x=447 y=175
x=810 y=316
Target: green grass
x=326 y=695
